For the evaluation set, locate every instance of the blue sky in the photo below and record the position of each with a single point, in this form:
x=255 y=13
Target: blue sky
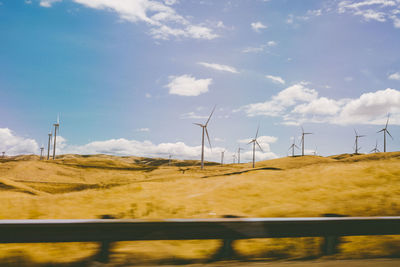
x=129 y=77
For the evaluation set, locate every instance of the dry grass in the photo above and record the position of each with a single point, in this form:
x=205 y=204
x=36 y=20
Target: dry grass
x=130 y=187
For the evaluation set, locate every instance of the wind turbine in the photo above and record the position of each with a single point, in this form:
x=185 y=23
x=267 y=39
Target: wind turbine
x=375 y=150
x=3 y=153
x=41 y=152
x=204 y=127
x=385 y=130
x=293 y=146
x=169 y=160
x=56 y=127
x=302 y=140
x=254 y=141
x=239 y=149
x=222 y=157
x=356 y=142
x=48 y=145
x=234 y=158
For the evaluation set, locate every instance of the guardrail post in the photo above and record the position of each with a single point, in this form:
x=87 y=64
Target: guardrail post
x=104 y=254
x=331 y=242
x=226 y=251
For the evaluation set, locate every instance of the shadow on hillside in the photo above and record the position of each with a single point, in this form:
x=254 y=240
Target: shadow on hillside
x=244 y=171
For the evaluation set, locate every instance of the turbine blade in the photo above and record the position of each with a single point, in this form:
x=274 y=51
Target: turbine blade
x=389 y=134
x=259 y=146
x=199 y=124
x=302 y=129
x=361 y=135
x=297 y=147
x=210 y=115
x=257 y=131
x=387 y=121
x=208 y=137
x=355 y=132
x=252 y=141
x=381 y=131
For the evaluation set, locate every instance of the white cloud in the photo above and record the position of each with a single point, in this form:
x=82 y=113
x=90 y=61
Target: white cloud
x=279 y=103
x=16 y=145
x=186 y=85
x=147 y=95
x=394 y=76
x=192 y=115
x=260 y=48
x=378 y=10
x=276 y=79
x=257 y=26
x=163 y=20
x=219 y=67
x=170 y=2
x=45 y=3
x=143 y=130
x=298 y=104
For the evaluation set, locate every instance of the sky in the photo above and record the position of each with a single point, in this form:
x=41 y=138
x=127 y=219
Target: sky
x=130 y=77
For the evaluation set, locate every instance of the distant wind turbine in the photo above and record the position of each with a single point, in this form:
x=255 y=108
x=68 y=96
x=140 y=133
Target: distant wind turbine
x=3 y=153
x=56 y=127
x=385 y=130
x=204 y=127
x=254 y=141
x=41 y=152
x=356 y=141
x=375 y=150
x=49 y=145
x=222 y=157
x=293 y=146
x=302 y=140
x=239 y=149
x=234 y=158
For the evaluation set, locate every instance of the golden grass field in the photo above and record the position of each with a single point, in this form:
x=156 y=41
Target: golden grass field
x=74 y=186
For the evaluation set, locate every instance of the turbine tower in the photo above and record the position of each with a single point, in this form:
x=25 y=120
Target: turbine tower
x=169 y=160
x=48 y=146
x=3 y=153
x=222 y=157
x=375 y=150
x=356 y=142
x=239 y=149
x=293 y=146
x=254 y=141
x=385 y=130
x=56 y=127
x=204 y=127
x=234 y=158
x=41 y=152
x=302 y=140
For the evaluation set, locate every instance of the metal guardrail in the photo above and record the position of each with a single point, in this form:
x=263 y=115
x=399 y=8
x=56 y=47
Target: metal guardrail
x=228 y=229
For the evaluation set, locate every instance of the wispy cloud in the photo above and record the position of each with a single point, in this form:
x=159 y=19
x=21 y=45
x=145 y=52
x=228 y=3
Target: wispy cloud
x=258 y=26
x=377 y=10
x=45 y=3
x=260 y=48
x=187 y=85
x=394 y=76
x=276 y=79
x=163 y=20
x=219 y=67
x=143 y=130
